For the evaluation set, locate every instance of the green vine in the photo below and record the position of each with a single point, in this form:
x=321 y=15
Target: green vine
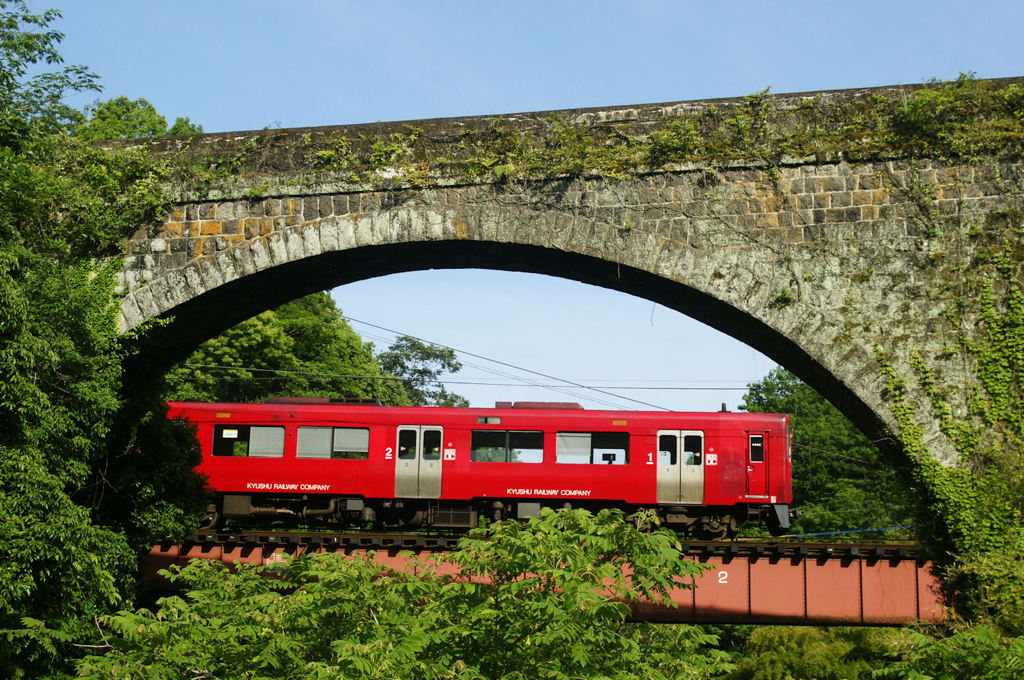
x=965 y=119
x=976 y=508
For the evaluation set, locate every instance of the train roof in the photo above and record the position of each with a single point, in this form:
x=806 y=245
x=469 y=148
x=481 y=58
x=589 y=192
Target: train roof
x=299 y=407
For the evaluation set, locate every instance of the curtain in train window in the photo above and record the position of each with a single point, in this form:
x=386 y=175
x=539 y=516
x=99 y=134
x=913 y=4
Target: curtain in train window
x=572 y=447
x=266 y=442
x=313 y=442
x=351 y=443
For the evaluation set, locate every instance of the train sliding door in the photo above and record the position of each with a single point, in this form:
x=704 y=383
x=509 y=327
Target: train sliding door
x=757 y=468
x=418 y=463
x=680 y=466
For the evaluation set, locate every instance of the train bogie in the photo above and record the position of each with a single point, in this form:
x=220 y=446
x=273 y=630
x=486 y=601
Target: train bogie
x=451 y=467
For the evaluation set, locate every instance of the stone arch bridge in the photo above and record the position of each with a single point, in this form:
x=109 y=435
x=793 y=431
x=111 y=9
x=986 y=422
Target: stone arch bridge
x=820 y=262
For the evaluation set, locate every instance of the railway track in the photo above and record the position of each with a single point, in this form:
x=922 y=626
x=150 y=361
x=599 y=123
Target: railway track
x=305 y=541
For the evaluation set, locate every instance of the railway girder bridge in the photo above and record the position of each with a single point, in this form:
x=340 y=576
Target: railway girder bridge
x=744 y=581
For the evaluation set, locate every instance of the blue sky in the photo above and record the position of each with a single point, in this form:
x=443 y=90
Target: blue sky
x=252 y=64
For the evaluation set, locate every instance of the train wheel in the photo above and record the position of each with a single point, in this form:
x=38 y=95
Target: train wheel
x=715 y=528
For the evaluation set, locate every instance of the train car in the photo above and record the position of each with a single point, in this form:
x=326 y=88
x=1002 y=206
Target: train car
x=314 y=459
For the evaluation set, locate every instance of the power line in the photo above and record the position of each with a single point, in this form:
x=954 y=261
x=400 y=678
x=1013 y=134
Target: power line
x=439 y=381
x=834 y=454
x=508 y=365
x=522 y=380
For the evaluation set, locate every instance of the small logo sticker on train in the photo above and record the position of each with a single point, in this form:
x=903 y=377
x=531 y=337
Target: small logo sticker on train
x=449 y=454
x=711 y=459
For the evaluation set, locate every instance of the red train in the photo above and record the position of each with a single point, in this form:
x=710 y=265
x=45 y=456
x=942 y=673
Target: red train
x=447 y=467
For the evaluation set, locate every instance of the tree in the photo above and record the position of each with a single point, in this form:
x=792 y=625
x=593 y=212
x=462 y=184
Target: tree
x=32 y=104
x=183 y=126
x=779 y=652
x=78 y=485
x=121 y=117
x=979 y=652
x=302 y=348
x=548 y=599
x=418 y=365
x=840 y=479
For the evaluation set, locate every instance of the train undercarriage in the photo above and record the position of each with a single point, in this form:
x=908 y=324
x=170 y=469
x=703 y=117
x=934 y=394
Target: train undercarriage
x=700 y=521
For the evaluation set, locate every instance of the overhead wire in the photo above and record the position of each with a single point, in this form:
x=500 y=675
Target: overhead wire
x=569 y=383
x=522 y=380
x=440 y=381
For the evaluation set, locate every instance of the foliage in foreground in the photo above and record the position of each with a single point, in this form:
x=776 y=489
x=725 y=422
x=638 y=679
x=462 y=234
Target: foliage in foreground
x=979 y=652
x=548 y=599
x=797 y=652
x=88 y=468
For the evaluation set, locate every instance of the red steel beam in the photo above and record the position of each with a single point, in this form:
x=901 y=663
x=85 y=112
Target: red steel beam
x=734 y=589
x=852 y=591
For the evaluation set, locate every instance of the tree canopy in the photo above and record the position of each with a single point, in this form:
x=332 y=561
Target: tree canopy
x=418 y=364
x=122 y=117
x=88 y=466
x=305 y=348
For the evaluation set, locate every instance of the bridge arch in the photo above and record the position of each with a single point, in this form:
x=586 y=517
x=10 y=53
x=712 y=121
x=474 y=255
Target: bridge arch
x=235 y=300
x=746 y=266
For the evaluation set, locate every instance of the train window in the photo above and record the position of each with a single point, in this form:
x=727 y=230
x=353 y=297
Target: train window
x=333 y=442
x=693 y=449
x=489 y=446
x=572 y=447
x=431 y=445
x=231 y=440
x=601 y=448
x=352 y=443
x=668 y=447
x=406 y=444
x=500 y=446
x=757 y=448
x=248 y=441
x=266 y=442
x=525 y=447
x=313 y=442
